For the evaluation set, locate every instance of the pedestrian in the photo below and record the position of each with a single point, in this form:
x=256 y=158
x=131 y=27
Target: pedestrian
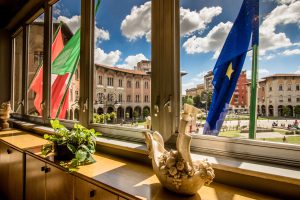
x=284 y=139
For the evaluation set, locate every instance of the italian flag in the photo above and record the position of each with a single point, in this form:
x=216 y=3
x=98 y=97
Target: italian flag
x=64 y=63
x=64 y=60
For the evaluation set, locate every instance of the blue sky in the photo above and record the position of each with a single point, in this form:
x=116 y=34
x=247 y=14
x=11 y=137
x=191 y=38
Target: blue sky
x=123 y=33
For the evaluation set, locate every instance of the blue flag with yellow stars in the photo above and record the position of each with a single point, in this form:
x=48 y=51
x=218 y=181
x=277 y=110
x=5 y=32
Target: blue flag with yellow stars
x=230 y=63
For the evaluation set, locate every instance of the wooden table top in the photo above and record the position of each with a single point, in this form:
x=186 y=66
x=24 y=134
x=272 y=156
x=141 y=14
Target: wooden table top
x=136 y=179
x=140 y=181
x=24 y=141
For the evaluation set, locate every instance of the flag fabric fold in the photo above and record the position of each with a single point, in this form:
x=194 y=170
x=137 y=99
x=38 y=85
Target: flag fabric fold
x=230 y=63
x=37 y=82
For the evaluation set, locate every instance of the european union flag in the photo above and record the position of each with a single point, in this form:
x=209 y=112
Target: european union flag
x=230 y=63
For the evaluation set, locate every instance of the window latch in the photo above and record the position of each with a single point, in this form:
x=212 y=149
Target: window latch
x=85 y=105
x=42 y=105
x=156 y=106
x=168 y=104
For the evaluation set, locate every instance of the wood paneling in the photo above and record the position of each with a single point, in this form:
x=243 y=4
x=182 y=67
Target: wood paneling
x=59 y=184
x=35 y=179
x=15 y=175
x=11 y=173
x=88 y=191
x=4 y=169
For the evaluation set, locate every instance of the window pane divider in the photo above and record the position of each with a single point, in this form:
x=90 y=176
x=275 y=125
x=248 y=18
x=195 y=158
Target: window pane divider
x=47 y=62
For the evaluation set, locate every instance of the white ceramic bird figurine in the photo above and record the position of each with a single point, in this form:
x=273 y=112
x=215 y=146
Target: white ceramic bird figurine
x=175 y=169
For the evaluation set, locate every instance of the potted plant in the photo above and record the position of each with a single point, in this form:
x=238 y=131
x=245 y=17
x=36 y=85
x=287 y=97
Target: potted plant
x=75 y=146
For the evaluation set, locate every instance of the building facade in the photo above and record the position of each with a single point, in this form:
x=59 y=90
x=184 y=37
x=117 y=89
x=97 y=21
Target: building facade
x=115 y=89
x=122 y=90
x=277 y=92
x=239 y=100
x=192 y=92
x=208 y=78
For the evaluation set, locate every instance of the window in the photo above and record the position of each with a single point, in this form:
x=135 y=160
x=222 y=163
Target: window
x=146 y=100
x=128 y=98
x=128 y=84
x=76 y=75
x=297 y=87
x=38 y=58
x=35 y=66
x=71 y=94
x=289 y=99
x=280 y=98
x=298 y=99
x=120 y=83
x=120 y=98
x=65 y=68
x=146 y=85
x=137 y=84
x=99 y=80
x=289 y=87
x=280 y=88
x=18 y=102
x=137 y=98
x=110 y=81
x=114 y=60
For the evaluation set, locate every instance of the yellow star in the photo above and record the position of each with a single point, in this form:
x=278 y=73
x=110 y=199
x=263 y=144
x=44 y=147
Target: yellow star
x=229 y=71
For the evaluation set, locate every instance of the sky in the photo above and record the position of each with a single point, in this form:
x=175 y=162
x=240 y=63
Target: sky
x=123 y=34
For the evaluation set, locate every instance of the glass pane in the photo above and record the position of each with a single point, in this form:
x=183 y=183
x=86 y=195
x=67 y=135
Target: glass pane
x=204 y=28
x=18 y=71
x=278 y=102
x=35 y=66
x=122 y=82
x=65 y=70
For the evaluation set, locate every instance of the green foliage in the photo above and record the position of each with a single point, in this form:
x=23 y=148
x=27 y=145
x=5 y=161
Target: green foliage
x=107 y=117
x=146 y=112
x=297 y=110
x=127 y=115
x=190 y=101
x=286 y=111
x=197 y=101
x=113 y=116
x=80 y=141
x=135 y=114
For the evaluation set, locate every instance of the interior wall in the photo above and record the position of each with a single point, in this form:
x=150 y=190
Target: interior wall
x=5 y=59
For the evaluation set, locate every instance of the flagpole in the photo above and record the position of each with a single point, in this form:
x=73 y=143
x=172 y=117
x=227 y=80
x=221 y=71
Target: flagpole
x=253 y=97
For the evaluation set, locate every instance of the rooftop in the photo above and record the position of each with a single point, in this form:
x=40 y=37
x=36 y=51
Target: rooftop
x=129 y=71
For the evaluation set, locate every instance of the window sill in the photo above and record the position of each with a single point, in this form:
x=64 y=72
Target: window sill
x=272 y=173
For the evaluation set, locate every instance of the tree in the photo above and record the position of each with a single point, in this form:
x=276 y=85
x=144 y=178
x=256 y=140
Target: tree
x=190 y=101
x=135 y=114
x=197 y=101
x=146 y=112
x=206 y=97
x=286 y=111
x=297 y=110
x=113 y=116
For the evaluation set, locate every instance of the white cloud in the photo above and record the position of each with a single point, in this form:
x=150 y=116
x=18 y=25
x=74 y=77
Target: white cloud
x=74 y=24
x=298 y=71
x=138 y=23
x=291 y=52
x=191 y=21
x=109 y=59
x=285 y=1
x=213 y=42
x=281 y=15
x=132 y=60
x=261 y=73
x=193 y=81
